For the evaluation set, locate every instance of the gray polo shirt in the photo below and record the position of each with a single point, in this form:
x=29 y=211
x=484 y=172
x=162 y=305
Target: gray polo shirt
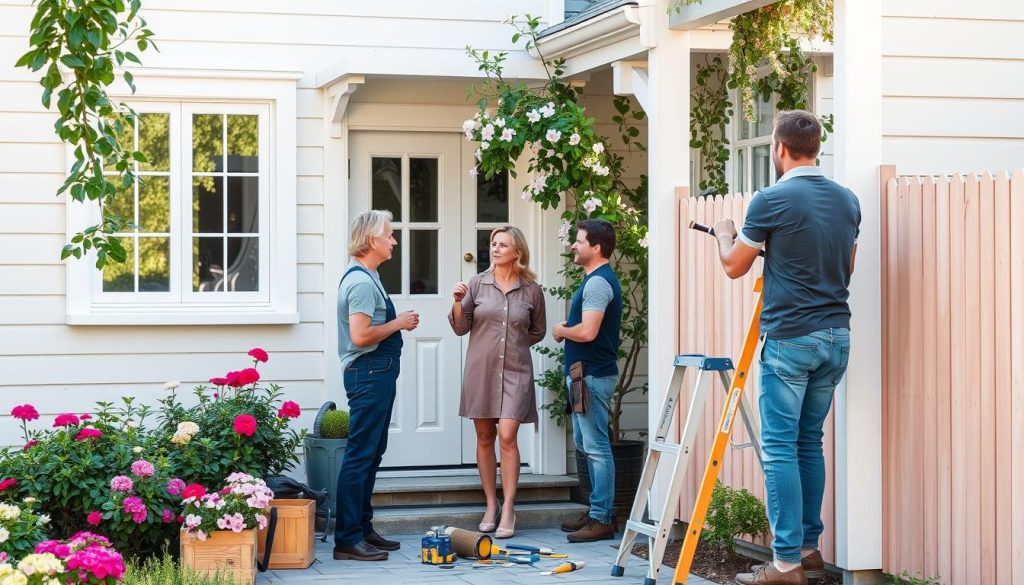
x=358 y=294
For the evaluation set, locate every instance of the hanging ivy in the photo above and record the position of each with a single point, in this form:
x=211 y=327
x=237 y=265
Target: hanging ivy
x=711 y=111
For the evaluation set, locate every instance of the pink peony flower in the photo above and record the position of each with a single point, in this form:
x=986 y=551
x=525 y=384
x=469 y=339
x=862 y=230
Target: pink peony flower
x=66 y=420
x=259 y=354
x=54 y=547
x=85 y=416
x=219 y=381
x=245 y=425
x=193 y=491
x=88 y=433
x=96 y=562
x=25 y=412
x=8 y=484
x=84 y=539
x=175 y=486
x=167 y=516
x=248 y=376
x=134 y=506
x=30 y=444
x=94 y=518
x=143 y=468
x=289 y=410
x=122 y=483
x=233 y=379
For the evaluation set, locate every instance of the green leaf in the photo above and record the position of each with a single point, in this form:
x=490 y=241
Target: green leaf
x=72 y=61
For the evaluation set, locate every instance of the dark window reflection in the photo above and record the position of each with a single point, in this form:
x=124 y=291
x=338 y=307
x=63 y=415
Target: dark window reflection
x=208 y=264
x=423 y=187
x=492 y=198
x=483 y=250
x=243 y=205
x=391 y=271
x=243 y=264
x=423 y=262
x=386 y=185
x=208 y=205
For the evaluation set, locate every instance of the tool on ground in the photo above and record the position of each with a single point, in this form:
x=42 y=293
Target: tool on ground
x=491 y=564
x=566 y=568
x=436 y=547
x=657 y=532
x=468 y=544
x=517 y=559
x=522 y=549
x=541 y=550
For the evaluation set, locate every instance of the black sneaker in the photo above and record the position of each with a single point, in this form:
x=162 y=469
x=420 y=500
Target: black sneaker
x=380 y=542
x=361 y=551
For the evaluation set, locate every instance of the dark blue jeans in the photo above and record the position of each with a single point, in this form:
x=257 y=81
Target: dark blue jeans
x=798 y=378
x=370 y=385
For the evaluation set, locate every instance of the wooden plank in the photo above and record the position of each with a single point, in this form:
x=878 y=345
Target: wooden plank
x=913 y=364
x=905 y=437
x=887 y=174
x=942 y=362
x=952 y=118
x=972 y=341
x=958 y=387
x=929 y=37
x=1017 y=371
x=930 y=434
x=986 y=427
x=890 y=398
x=1004 y=495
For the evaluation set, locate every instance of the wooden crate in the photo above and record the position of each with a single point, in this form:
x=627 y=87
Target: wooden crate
x=294 y=544
x=232 y=553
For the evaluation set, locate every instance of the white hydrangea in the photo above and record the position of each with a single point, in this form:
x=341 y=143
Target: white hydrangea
x=41 y=564
x=9 y=512
x=137 y=450
x=187 y=428
x=600 y=170
x=4 y=534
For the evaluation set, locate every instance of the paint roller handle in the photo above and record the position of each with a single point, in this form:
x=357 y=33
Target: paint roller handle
x=568 y=567
x=711 y=232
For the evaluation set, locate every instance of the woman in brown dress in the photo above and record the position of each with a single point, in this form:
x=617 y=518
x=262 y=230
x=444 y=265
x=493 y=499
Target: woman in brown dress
x=503 y=310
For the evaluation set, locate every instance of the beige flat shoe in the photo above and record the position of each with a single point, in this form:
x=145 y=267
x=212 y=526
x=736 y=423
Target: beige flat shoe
x=502 y=532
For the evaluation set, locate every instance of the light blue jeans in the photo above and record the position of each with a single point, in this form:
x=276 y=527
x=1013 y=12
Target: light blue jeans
x=798 y=378
x=590 y=433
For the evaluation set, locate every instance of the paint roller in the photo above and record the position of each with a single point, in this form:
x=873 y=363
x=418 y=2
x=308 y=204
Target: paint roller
x=468 y=544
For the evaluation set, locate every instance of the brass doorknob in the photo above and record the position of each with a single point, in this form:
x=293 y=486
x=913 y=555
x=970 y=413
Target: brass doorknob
x=468 y=257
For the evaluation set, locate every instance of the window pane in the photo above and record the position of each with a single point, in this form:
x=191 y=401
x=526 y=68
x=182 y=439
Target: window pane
x=423 y=189
x=765 y=117
x=120 y=277
x=243 y=144
x=483 y=250
x=423 y=262
x=746 y=128
x=154 y=141
x=123 y=203
x=155 y=204
x=243 y=264
x=492 y=198
x=207 y=143
x=243 y=205
x=386 y=186
x=126 y=137
x=741 y=171
x=154 y=264
x=208 y=205
x=207 y=264
x=762 y=167
x=391 y=271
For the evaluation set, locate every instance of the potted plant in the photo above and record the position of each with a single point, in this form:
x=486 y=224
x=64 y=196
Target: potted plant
x=218 y=534
x=324 y=449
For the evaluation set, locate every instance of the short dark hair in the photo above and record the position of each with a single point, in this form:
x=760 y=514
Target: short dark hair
x=800 y=131
x=599 y=233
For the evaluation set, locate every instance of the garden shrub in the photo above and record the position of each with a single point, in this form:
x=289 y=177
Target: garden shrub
x=21 y=527
x=733 y=513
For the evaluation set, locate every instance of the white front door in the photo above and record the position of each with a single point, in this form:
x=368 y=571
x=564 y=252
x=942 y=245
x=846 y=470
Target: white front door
x=423 y=179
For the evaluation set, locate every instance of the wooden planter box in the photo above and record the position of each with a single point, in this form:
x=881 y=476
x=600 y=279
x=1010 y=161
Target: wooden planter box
x=294 y=544
x=231 y=553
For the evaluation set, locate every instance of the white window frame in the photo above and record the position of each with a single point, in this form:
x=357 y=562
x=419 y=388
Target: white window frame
x=273 y=97
x=745 y=183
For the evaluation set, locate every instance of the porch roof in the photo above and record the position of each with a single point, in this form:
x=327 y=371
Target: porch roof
x=595 y=9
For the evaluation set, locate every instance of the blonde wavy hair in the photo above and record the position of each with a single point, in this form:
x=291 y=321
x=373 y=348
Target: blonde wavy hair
x=522 y=266
x=366 y=224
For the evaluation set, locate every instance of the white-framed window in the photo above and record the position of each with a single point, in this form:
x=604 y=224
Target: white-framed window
x=752 y=148
x=214 y=236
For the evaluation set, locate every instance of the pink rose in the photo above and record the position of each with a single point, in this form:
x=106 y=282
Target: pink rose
x=88 y=433
x=143 y=468
x=289 y=410
x=25 y=412
x=193 y=491
x=8 y=484
x=248 y=376
x=122 y=483
x=94 y=518
x=233 y=379
x=259 y=354
x=245 y=425
x=66 y=420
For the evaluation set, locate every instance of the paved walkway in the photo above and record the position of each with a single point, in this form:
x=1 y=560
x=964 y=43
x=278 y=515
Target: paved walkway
x=404 y=568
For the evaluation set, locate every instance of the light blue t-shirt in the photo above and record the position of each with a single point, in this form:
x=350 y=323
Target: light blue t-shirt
x=357 y=293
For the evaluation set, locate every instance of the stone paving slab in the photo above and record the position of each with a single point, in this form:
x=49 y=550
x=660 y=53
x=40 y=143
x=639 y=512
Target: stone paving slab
x=403 y=566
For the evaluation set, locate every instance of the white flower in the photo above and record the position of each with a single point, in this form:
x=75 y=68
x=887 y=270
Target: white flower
x=131 y=424
x=9 y=512
x=4 y=534
x=485 y=145
x=29 y=500
x=574 y=139
x=44 y=519
x=548 y=110
x=187 y=428
x=598 y=147
x=488 y=132
x=533 y=116
x=591 y=204
x=473 y=172
x=553 y=135
x=180 y=439
x=499 y=122
x=563 y=232
x=469 y=125
x=479 y=154
x=137 y=450
x=539 y=182
x=507 y=134
x=643 y=242
x=600 y=170
x=172 y=385
x=526 y=193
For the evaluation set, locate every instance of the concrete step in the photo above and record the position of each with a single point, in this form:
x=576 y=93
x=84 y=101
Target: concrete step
x=462 y=490
x=419 y=520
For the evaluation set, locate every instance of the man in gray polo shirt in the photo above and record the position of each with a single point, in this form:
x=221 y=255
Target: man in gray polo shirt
x=807 y=226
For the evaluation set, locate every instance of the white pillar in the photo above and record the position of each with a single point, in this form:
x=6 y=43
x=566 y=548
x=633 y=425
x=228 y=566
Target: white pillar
x=668 y=152
x=858 y=468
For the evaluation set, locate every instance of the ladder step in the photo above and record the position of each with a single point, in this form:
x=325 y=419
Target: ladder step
x=664 y=447
x=642 y=528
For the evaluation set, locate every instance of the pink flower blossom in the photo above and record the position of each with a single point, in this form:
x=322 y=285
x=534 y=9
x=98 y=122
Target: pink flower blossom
x=8 y=484
x=96 y=562
x=94 y=518
x=84 y=539
x=219 y=381
x=193 y=491
x=66 y=420
x=25 y=412
x=245 y=425
x=167 y=516
x=134 y=506
x=289 y=410
x=85 y=416
x=88 y=433
x=259 y=354
x=175 y=486
x=248 y=376
x=54 y=547
x=30 y=444
x=143 y=468
x=122 y=483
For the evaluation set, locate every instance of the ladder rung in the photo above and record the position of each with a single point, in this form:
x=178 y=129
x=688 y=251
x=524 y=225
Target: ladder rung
x=642 y=528
x=665 y=447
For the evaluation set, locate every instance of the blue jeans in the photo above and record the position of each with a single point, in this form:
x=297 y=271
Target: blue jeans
x=370 y=384
x=590 y=433
x=798 y=378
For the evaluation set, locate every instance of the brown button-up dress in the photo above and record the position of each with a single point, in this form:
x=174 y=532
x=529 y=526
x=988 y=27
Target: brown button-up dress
x=498 y=378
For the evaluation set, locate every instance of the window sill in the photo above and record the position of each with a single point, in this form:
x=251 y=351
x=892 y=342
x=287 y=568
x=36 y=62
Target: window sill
x=220 y=317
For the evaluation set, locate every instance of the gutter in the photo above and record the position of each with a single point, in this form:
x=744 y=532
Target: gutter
x=605 y=29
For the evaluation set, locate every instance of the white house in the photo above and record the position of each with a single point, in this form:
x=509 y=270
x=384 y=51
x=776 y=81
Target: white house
x=276 y=124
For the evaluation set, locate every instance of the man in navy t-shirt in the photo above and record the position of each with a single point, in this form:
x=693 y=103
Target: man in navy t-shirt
x=807 y=226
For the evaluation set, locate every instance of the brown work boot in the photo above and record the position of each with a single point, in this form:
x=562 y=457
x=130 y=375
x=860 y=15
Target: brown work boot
x=767 y=574
x=813 y=565
x=576 y=523
x=593 y=530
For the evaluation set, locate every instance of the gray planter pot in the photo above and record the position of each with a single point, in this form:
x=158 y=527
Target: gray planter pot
x=323 y=461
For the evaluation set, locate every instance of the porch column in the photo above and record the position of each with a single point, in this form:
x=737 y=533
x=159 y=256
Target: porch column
x=668 y=112
x=858 y=420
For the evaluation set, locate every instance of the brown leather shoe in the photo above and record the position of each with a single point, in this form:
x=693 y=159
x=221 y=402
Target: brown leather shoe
x=380 y=542
x=577 y=523
x=813 y=565
x=593 y=530
x=767 y=574
x=361 y=551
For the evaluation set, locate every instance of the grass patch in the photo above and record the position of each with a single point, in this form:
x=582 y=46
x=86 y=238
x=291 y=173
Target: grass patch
x=166 y=571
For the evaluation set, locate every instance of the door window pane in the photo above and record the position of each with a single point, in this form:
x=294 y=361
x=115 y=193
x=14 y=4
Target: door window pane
x=243 y=144
x=423 y=188
x=391 y=271
x=483 y=250
x=154 y=141
x=207 y=143
x=208 y=205
x=243 y=264
x=243 y=205
x=120 y=276
x=762 y=160
x=386 y=185
x=155 y=204
x=492 y=198
x=154 y=264
x=423 y=259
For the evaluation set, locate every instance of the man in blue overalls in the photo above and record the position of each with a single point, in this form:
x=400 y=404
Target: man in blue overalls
x=370 y=348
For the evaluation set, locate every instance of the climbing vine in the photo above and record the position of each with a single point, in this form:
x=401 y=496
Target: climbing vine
x=710 y=114
x=80 y=44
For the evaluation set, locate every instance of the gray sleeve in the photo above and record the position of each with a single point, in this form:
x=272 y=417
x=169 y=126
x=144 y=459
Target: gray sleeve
x=362 y=297
x=597 y=295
